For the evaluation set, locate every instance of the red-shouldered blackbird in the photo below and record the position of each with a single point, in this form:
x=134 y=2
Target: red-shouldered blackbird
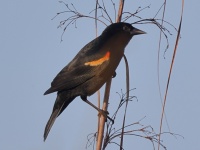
x=95 y=63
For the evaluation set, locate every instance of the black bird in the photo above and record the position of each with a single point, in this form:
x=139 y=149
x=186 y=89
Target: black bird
x=94 y=64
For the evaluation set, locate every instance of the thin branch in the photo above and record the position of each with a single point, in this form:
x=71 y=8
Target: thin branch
x=155 y=22
x=73 y=18
x=170 y=71
x=127 y=96
x=105 y=10
x=91 y=140
x=134 y=14
x=158 y=64
x=114 y=8
x=120 y=10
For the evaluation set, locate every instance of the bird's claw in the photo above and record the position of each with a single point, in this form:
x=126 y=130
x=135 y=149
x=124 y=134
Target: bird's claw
x=114 y=75
x=105 y=114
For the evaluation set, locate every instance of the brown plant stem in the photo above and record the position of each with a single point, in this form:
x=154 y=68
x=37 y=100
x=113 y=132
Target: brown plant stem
x=107 y=92
x=120 y=10
x=103 y=119
x=169 y=75
x=127 y=96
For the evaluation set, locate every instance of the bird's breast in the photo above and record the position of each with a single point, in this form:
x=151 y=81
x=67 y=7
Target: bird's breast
x=104 y=69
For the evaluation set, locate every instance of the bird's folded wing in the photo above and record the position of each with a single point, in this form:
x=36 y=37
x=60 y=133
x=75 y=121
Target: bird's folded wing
x=69 y=79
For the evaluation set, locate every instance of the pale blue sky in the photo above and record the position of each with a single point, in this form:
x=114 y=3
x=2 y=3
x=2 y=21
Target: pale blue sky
x=31 y=55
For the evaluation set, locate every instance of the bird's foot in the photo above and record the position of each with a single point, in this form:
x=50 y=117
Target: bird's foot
x=102 y=112
x=105 y=114
x=114 y=75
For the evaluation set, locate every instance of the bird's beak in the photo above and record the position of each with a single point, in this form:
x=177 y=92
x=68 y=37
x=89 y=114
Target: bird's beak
x=136 y=31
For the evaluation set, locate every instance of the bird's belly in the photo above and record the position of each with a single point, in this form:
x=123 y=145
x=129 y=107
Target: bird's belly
x=95 y=84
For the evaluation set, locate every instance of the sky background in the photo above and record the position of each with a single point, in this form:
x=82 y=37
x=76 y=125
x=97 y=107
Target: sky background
x=31 y=55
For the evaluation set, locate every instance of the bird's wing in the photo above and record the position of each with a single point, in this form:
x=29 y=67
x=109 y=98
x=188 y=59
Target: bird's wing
x=70 y=78
x=87 y=63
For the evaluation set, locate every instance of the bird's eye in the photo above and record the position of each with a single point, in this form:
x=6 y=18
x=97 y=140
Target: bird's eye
x=125 y=28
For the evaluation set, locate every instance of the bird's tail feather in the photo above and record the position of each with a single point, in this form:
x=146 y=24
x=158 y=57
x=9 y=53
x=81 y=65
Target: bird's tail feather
x=50 y=123
x=62 y=101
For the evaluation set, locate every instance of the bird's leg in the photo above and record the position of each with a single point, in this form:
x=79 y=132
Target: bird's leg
x=104 y=113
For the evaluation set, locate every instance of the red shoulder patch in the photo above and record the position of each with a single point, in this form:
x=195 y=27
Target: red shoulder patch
x=98 y=62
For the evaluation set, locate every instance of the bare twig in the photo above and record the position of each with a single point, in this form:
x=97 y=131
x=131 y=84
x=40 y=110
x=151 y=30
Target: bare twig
x=158 y=60
x=170 y=71
x=155 y=22
x=114 y=8
x=91 y=138
x=129 y=14
x=75 y=15
x=145 y=132
x=127 y=96
x=105 y=10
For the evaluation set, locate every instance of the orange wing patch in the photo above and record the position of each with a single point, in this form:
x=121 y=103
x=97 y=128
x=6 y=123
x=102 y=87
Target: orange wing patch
x=99 y=61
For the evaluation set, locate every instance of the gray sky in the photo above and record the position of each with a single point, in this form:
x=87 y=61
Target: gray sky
x=31 y=55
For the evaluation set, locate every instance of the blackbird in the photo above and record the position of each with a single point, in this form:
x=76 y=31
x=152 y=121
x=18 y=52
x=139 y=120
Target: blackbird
x=94 y=64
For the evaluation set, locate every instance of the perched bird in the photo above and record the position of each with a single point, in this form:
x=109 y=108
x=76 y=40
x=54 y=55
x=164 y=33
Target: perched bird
x=94 y=64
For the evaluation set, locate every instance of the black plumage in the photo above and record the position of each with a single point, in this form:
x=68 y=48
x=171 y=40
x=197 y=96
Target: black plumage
x=94 y=64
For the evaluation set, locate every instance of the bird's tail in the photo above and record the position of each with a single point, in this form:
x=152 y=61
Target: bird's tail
x=62 y=101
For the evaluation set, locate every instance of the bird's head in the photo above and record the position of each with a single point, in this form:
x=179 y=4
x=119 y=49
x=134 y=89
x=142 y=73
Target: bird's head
x=120 y=34
x=121 y=28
